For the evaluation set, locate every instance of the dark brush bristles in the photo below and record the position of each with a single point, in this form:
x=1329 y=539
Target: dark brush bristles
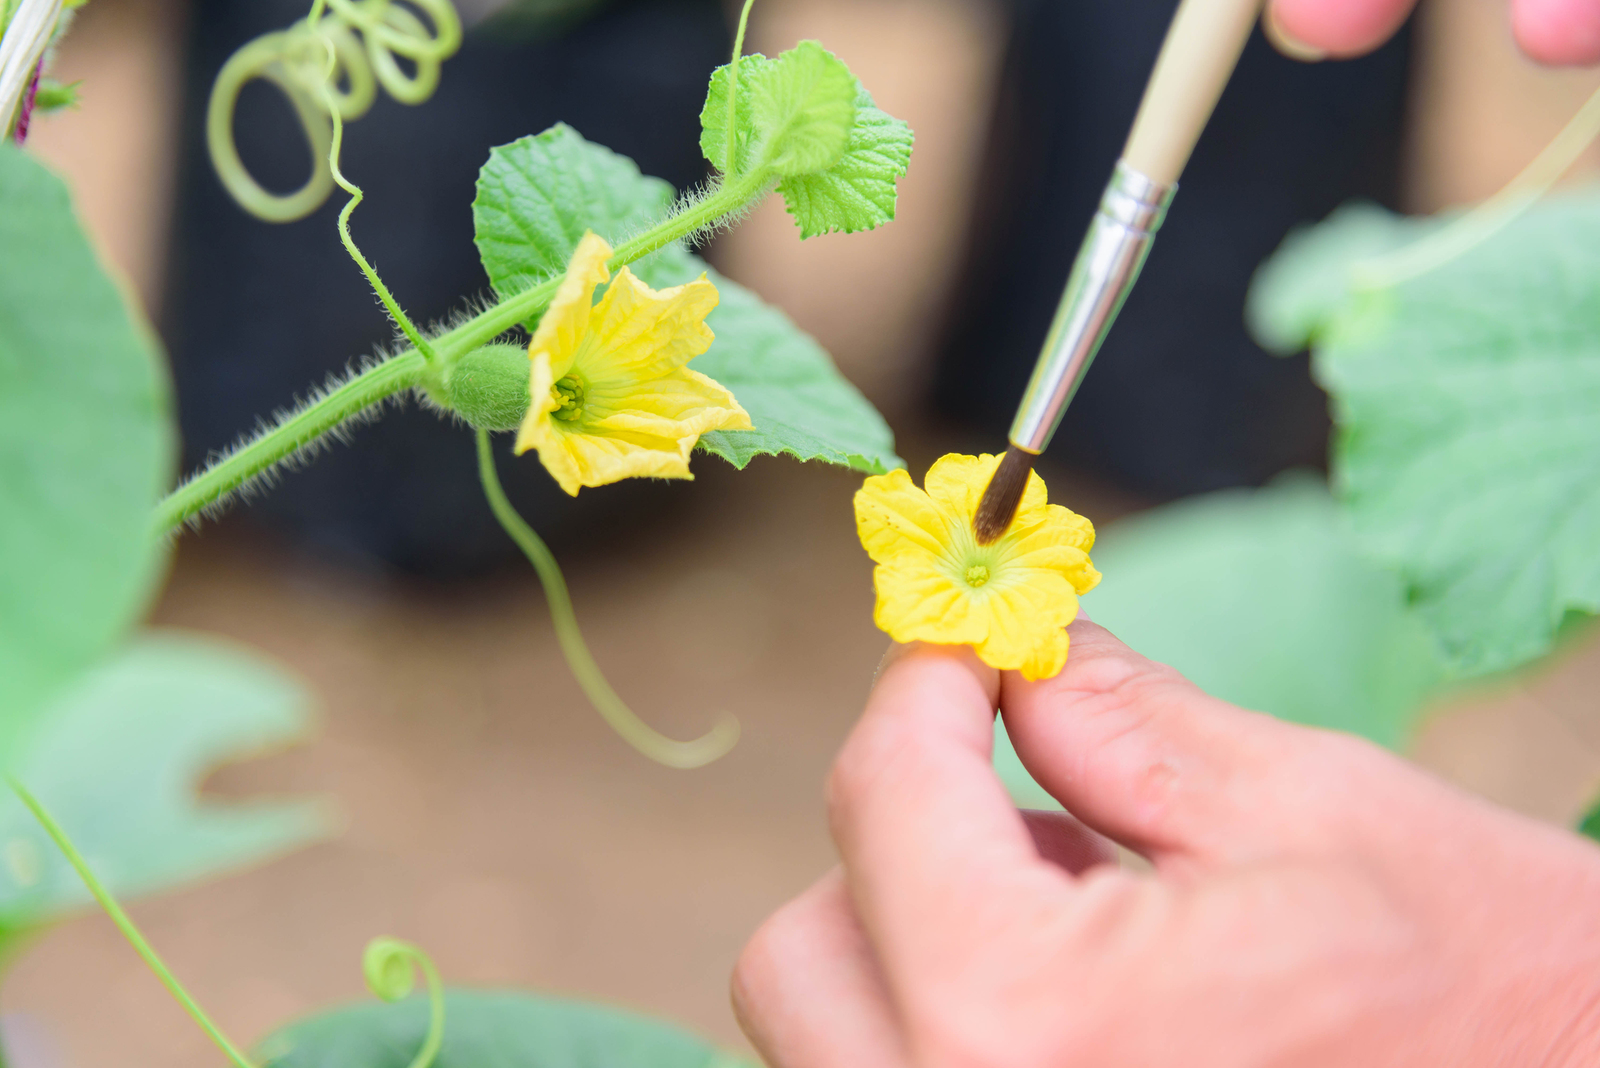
x=999 y=505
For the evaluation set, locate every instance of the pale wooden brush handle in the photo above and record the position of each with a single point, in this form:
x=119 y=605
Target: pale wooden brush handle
x=1200 y=52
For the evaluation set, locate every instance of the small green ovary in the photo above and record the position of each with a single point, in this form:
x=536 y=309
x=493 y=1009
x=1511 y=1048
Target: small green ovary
x=976 y=575
x=569 y=391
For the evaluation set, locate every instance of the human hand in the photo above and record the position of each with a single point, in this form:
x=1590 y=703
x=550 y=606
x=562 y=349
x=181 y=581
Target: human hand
x=1314 y=900
x=1563 y=32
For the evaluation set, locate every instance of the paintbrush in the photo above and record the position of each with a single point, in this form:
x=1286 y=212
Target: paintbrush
x=1200 y=51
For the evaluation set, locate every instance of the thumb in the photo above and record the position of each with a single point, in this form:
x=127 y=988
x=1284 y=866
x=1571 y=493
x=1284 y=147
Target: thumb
x=1140 y=754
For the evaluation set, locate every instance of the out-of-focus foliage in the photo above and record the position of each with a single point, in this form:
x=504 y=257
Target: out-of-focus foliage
x=1298 y=293
x=113 y=740
x=1261 y=598
x=492 y=1030
x=1468 y=406
x=118 y=760
x=86 y=447
x=537 y=197
x=526 y=20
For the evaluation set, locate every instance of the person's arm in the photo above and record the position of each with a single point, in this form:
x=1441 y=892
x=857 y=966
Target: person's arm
x=1561 y=32
x=1314 y=899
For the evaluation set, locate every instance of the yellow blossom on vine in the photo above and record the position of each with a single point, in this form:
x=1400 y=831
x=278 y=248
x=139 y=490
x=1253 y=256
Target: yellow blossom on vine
x=612 y=397
x=1010 y=600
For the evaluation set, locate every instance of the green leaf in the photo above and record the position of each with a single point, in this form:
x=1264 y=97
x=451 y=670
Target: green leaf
x=531 y=216
x=491 y=1029
x=858 y=192
x=1589 y=826
x=119 y=759
x=793 y=114
x=1261 y=598
x=538 y=195
x=86 y=447
x=1307 y=284
x=1468 y=413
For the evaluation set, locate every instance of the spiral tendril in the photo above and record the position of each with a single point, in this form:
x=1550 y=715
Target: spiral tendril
x=390 y=967
x=367 y=39
x=636 y=732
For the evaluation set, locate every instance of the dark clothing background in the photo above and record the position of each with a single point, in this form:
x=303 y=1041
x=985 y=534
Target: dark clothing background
x=1180 y=400
x=257 y=312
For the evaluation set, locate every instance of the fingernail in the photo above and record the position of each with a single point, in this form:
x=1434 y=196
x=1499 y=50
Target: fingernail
x=1284 y=42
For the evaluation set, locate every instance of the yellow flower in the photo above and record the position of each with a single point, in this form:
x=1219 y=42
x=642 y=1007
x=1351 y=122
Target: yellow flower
x=1010 y=600
x=612 y=397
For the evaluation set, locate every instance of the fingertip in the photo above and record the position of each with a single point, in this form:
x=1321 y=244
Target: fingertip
x=923 y=663
x=1341 y=30
x=1562 y=33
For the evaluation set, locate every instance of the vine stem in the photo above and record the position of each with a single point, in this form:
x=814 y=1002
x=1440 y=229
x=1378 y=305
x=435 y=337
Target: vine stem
x=396 y=313
x=434 y=1040
x=126 y=925
x=733 y=87
x=658 y=747
x=406 y=370
x=304 y=427
x=1487 y=219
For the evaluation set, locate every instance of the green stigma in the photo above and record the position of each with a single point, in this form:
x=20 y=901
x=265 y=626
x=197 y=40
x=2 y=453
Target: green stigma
x=977 y=575
x=569 y=391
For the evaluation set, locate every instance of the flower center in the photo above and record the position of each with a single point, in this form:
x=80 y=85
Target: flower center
x=569 y=391
x=977 y=575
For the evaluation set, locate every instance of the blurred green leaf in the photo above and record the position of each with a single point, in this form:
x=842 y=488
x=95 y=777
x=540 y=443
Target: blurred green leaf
x=1260 y=598
x=1589 y=826
x=118 y=761
x=858 y=192
x=86 y=448
x=1307 y=284
x=531 y=212
x=492 y=1030
x=1468 y=406
x=794 y=113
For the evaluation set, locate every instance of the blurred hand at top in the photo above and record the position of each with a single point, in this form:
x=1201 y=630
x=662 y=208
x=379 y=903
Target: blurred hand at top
x=1561 y=32
x=1315 y=901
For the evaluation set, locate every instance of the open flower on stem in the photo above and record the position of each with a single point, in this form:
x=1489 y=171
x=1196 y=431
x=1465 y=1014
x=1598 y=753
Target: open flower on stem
x=1010 y=600
x=612 y=395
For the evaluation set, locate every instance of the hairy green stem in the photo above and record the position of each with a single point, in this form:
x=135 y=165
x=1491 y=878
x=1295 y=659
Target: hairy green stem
x=126 y=925
x=658 y=747
x=396 y=313
x=405 y=370
x=293 y=434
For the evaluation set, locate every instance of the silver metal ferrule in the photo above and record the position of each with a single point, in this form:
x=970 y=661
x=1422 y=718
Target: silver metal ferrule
x=1113 y=251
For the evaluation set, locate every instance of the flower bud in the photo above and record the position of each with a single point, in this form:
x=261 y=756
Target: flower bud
x=488 y=387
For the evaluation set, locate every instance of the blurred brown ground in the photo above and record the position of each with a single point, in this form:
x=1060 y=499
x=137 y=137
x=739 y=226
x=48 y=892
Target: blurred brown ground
x=491 y=815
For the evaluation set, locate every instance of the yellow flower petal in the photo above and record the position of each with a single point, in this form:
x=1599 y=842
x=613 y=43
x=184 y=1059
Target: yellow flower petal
x=957 y=482
x=610 y=395
x=1010 y=600
x=566 y=321
x=918 y=602
x=638 y=333
x=894 y=517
